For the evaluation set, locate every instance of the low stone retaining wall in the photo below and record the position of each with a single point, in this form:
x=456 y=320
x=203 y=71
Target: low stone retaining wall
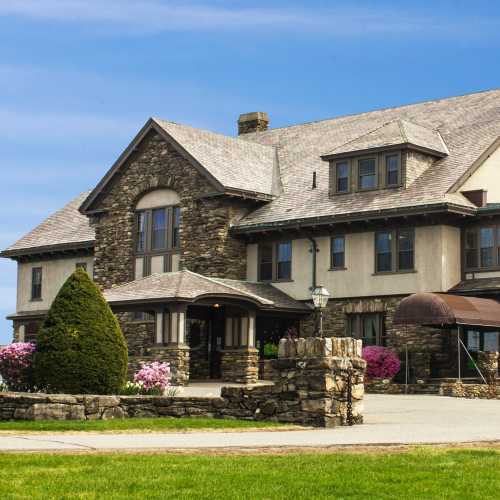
x=318 y=382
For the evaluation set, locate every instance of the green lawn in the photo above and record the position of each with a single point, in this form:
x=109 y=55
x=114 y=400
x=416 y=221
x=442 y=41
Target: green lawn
x=418 y=474
x=134 y=424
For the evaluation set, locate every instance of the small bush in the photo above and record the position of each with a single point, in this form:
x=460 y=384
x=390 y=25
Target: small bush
x=16 y=366
x=80 y=347
x=381 y=362
x=270 y=350
x=153 y=378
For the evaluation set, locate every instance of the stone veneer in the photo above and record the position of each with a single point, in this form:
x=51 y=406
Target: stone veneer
x=311 y=388
x=240 y=365
x=424 y=344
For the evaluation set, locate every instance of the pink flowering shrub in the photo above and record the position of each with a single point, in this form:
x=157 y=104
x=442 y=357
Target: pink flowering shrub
x=153 y=378
x=16 y=363
x=381 y=362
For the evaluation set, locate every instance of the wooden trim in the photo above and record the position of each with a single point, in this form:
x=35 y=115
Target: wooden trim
x=395 y=267
x=358 y=176
x=332 y=267
x=35 y=270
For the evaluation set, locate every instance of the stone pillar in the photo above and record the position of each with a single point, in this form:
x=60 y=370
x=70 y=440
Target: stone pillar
x=176 y=351
x=239 y=358
x=487 y=362
x=421 y=362
x=325 y=376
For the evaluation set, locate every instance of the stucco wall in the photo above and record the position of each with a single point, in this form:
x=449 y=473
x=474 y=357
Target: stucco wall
x=487 y=177
x=433 y=273
x=54 y=274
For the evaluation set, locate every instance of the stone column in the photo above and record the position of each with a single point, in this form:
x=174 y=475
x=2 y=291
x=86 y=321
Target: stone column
x=239 y=358
x=487 y=362
x=421 y=365
x=325 y=377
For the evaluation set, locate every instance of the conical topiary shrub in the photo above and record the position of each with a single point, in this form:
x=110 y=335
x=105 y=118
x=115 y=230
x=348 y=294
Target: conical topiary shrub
x=80 y=347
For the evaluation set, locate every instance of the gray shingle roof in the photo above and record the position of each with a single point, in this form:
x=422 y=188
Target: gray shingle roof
x=235 y=163
x=468 y=125
x=394 y=133
x=65 y=229
x=189 y=286
x=491 y=285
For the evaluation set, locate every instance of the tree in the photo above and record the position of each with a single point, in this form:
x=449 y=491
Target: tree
x=80 y=347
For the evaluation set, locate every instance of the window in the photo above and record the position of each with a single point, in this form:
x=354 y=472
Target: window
x=143 y=316
x=342 y=177
x=337 y=258
x=266 y=262
x=399 y=242
x=486 y=240
x=275 y=261
x=81 y=265
x=392 y=170
x=471 y=249
x=367 y=174
x=383 y=251
x=36 y=283
x=157 y=239
x=367 y=327
x=284 y=260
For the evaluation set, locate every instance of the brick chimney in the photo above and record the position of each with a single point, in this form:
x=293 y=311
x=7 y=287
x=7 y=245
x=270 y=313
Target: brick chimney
x=253 y=122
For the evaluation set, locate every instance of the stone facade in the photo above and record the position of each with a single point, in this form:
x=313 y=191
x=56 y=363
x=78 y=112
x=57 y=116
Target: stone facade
x=427 y=347
x=487 y=362
x=320 y=383
x=240 y=365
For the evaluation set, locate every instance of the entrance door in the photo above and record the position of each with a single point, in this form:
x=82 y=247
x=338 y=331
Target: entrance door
x=215 y=341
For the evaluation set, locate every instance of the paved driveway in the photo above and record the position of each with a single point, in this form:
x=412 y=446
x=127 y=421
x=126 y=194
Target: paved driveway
x=389 y=420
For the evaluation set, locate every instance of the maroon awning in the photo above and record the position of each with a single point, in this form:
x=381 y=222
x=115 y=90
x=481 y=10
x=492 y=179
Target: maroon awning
x=440 y=309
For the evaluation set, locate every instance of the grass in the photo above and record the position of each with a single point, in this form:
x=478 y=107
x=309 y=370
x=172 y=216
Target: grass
x=418 y=474
x=134 y=424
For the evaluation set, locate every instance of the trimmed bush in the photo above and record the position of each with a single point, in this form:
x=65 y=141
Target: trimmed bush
x=80 y=346
x=381 y=362
x=16 y=366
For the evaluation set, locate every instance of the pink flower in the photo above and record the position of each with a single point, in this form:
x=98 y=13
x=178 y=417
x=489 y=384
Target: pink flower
x=154 y=377
x=16 y=361
x=381 y=362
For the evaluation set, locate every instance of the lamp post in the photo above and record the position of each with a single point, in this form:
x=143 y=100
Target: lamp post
x=320 y=296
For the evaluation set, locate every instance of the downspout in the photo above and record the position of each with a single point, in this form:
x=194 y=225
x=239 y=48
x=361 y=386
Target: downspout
x=314 y=250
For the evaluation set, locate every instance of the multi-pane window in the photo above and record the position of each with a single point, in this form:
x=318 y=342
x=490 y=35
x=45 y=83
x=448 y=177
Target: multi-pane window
x=367 y=327
x=342 y=177
x=159 y=229
x=392 y=170
x=482 y=247
x=36 y=283
x=482 y=341
x=367 y=173
x=395 y=250
x=275 y=261
x=176 y=224
x=141 y=231
x=337 y=256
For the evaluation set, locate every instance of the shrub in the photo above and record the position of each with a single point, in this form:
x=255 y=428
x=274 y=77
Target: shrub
x=80 y=347
x=154 y=378
x=16 y=365
x=270 y=350
x=381 y=362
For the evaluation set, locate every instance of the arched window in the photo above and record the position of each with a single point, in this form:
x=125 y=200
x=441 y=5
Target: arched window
x=157 y=226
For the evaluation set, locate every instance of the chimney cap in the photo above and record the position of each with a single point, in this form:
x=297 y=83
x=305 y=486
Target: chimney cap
x=257 y=121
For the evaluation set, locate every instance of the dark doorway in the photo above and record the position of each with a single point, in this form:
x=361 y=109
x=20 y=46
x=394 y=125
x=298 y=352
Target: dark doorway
x=216 y=340
x=270 y=329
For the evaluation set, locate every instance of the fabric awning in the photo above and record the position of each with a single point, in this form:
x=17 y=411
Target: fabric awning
x=441 y=309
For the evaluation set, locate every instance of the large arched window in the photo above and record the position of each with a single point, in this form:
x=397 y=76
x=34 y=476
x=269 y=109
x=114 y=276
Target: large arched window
x=157 y=233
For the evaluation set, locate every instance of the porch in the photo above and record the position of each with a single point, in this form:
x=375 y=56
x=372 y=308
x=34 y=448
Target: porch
x=208 y=328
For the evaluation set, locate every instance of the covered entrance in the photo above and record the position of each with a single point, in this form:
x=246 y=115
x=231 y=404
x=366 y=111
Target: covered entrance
x=471 y=325
x=205 y=327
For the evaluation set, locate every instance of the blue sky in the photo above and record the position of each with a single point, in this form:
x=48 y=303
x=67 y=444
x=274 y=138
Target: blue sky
x=78 y=78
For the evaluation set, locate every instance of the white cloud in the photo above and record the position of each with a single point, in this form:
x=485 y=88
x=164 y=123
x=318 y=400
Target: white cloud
x=153 y=16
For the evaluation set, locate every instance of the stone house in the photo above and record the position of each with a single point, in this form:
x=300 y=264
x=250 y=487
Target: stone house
x=208 y=246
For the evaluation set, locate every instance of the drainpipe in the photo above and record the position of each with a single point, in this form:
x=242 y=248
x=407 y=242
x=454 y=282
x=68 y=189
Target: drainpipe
x=314 y=250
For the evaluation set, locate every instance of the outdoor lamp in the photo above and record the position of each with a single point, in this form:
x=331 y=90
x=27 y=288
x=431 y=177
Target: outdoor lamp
x=320 y=297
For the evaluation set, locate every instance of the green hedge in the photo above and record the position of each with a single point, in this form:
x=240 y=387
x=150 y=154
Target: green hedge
x=80 y=347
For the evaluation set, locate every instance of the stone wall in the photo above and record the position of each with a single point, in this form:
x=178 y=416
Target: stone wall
x=312 y=388
x=240 y=365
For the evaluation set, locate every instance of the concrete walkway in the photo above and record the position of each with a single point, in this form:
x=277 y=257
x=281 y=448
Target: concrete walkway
x=389 y=420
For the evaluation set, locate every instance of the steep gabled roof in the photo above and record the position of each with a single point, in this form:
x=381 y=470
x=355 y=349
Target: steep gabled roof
x=391 y=134
x=230 y=164
x=66 y=229
x=190 y=287
x=469 y=125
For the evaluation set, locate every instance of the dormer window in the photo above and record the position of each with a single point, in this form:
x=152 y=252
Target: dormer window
x=367 y=168
x=392 y=170
x=342 y=176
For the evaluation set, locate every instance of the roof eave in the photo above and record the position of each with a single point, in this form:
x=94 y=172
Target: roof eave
x=40 y=250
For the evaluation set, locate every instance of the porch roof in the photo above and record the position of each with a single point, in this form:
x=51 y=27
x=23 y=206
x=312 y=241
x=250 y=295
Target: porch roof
x=187 y=286
x=441 y=309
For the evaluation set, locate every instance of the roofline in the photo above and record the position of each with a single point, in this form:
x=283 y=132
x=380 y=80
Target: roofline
x=27 y=314
x=353 y=217
x=89 y=244
x=392 y=147
x=475 y=165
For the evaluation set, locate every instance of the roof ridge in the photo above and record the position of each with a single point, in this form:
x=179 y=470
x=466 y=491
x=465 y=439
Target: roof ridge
x=379 y=110
x=402 y=130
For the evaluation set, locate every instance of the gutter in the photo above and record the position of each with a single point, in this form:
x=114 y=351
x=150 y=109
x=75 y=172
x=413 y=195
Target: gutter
x=314 y=250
